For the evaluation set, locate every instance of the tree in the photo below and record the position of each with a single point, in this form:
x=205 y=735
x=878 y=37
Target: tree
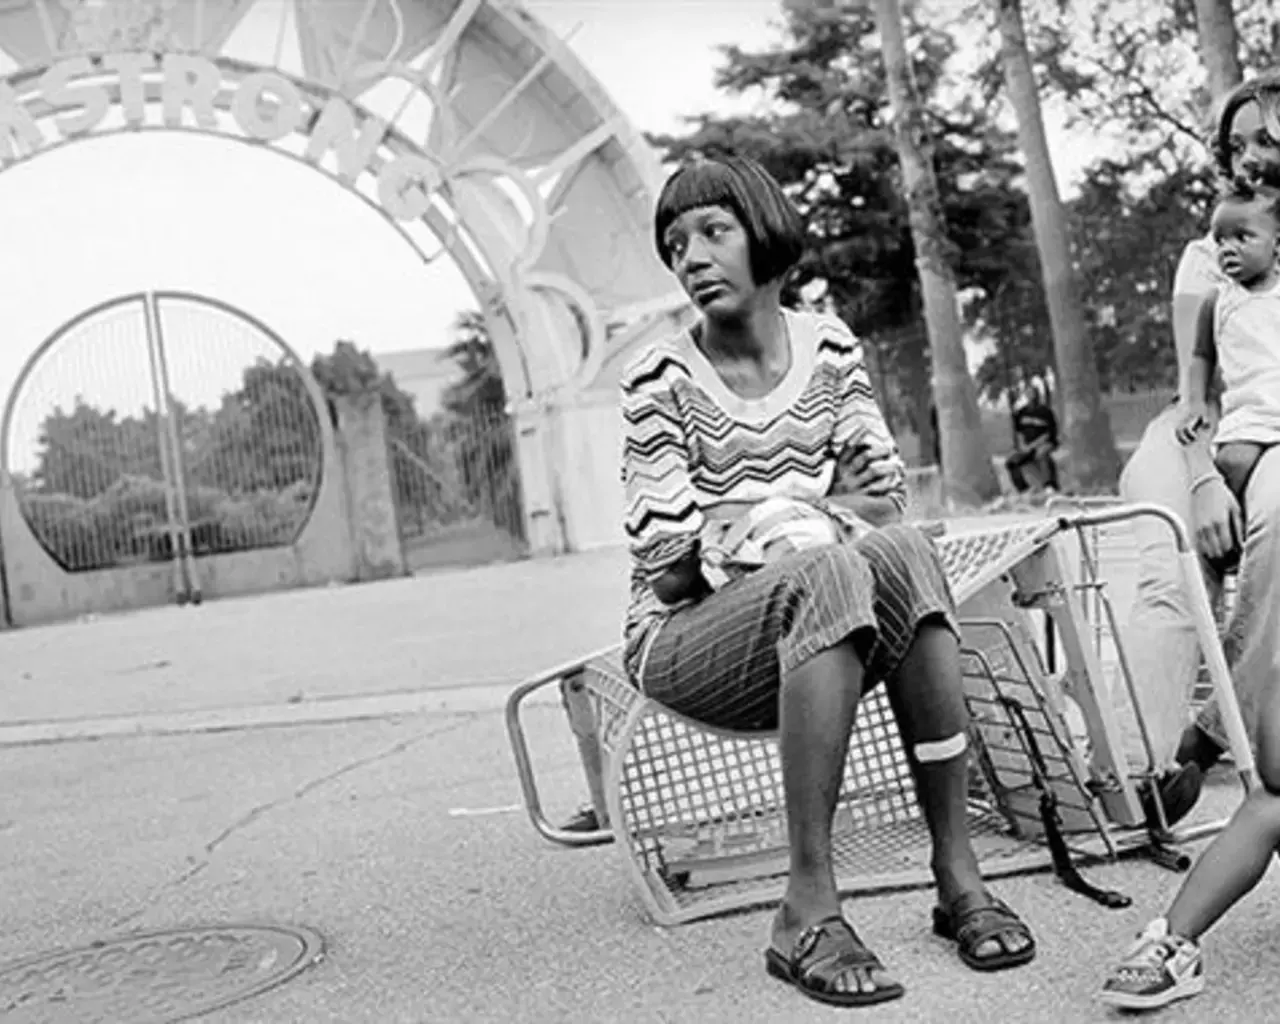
x=353 y=371
x=967 y=471
x=478 y=433
x=1093 y=461
x=265 y=436
x=481 y=388
x=1219 y=45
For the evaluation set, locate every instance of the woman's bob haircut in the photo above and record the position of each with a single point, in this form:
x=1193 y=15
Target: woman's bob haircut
x=1263 y=90
x=773 y=225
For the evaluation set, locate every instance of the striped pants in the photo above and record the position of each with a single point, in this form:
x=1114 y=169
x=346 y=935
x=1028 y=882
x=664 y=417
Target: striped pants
x=721 y=661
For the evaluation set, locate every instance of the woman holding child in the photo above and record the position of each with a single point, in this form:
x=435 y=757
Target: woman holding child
x=1165 y=963
x=772 y=584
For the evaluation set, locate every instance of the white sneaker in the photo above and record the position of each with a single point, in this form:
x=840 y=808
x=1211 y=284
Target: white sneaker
x=1159 y=969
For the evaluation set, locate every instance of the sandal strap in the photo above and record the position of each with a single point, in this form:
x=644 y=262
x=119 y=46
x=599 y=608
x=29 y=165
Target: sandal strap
x=824 y=969
x=975 y=924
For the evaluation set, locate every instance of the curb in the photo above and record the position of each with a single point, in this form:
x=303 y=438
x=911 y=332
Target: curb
x=444 y=701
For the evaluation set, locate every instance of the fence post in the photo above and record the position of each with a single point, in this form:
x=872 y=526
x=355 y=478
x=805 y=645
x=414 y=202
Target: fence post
x=366 y=466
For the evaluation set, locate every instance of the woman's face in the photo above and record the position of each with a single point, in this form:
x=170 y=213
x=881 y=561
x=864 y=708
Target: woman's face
x=1255 y=154
x=711 y=258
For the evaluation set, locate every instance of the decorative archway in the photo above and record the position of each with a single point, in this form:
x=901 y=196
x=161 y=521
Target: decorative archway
x=466 y=124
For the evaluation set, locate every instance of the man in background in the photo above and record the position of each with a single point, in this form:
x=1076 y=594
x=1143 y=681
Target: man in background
x=1035 y=438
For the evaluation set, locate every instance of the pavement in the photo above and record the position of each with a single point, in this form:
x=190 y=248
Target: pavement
x=336 y=759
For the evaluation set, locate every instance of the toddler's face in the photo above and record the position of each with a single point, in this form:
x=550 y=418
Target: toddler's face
x=1246 y=236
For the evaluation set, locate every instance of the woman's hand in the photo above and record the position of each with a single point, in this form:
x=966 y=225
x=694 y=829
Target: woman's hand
x=1192 y=420
x=867 y=468
x=1216 y=519
x=683 y=581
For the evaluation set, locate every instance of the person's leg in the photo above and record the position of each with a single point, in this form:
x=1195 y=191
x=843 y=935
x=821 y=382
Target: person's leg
x=918 y=655
x=1236 y=461
x=785 y=648
x=1015 y=463
x=1237 y=859
x=1252 y=639
x=1159 y=634
x=1165 y=963
x=582 y=722
x=1050 y=467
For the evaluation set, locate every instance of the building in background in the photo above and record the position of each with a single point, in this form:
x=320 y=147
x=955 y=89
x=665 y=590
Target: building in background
x=424 y=373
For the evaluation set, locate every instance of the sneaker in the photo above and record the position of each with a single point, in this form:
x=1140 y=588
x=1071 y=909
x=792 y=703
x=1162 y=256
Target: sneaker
x=585 y=820
x=1179 y=793
x=1158 y=970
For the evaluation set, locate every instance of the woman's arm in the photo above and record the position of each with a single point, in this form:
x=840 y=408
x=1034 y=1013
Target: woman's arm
x=1195 y=284
x=870 y=478
x=865 y=483
x=662 y=516
x=1215 y=514
x=1194 y=424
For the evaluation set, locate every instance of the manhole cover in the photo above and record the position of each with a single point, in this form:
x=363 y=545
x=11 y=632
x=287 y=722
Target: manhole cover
x=154 y=977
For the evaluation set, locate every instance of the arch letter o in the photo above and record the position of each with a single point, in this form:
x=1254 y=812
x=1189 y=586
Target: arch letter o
x=405 y=186
x=257 y=115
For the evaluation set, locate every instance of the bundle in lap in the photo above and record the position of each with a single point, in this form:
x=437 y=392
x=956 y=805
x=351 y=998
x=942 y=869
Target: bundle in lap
x=770 y=529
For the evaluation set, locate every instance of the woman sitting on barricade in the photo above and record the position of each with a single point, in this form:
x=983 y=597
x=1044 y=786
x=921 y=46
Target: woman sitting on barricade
x=772 y=586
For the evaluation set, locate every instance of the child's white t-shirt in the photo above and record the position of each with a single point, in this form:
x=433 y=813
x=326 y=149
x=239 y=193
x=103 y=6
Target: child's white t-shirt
x=1246 y=330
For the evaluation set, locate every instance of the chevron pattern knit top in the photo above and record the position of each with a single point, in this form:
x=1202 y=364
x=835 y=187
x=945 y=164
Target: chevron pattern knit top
x=691 y=444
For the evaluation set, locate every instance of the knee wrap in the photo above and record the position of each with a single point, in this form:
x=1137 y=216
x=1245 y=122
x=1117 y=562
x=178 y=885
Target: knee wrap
x=941 y=750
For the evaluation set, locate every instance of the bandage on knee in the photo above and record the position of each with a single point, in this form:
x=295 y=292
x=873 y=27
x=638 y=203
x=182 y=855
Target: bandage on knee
x=941 y=750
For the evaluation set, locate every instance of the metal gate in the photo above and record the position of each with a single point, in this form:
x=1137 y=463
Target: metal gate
x=457 y=491
x=150 y=435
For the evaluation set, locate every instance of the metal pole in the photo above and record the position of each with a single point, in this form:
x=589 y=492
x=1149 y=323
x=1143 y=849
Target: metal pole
x=181 y=592
x=179 y=476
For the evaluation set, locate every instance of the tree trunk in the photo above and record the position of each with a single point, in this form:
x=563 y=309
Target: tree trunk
x=1093 y=464
x=1219 y=46
x=967 y=474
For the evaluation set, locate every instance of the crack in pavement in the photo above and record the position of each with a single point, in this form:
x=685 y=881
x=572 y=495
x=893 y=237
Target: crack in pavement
x=262 y=810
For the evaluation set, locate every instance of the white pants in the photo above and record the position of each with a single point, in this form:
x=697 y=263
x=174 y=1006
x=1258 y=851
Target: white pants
x=1160 y=638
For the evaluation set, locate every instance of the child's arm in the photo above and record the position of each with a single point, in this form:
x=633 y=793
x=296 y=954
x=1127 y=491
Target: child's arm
x=1200 y=369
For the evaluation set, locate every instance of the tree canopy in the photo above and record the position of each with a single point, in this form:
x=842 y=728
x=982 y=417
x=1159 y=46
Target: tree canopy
x=1129 y=71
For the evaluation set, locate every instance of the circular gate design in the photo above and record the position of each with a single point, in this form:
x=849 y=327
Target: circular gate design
x=155 y=977
x=468 y=125
x=159 y=423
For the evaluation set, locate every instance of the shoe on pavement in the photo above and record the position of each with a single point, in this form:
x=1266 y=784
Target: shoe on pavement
x=1159 y=969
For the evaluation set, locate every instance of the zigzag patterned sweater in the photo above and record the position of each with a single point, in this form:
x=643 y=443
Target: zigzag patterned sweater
x=690 y=444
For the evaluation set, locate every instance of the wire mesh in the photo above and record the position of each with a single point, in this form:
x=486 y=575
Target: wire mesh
x=1025 y=743
x=247 y=430
x=703 y=813
x=84 y=445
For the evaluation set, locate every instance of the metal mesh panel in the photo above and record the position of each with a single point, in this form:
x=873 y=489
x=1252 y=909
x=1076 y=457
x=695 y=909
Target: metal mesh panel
x=702 y=812
x=1024 y=742
x=973 y=560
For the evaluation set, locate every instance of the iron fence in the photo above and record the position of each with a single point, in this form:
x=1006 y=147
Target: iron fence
x=457 y=474
x=158 y=425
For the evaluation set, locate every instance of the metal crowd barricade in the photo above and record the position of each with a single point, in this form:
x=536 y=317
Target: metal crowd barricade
x=697 y=814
